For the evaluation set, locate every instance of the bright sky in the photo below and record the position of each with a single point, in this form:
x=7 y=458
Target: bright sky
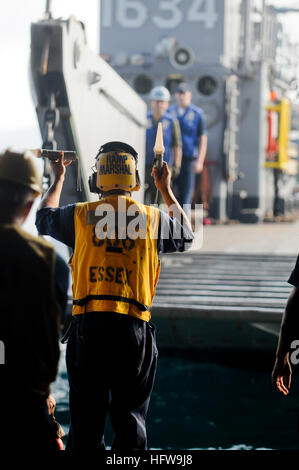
x=17 y=112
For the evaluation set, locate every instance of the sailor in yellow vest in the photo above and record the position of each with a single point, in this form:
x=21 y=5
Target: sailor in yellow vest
x=116 y=241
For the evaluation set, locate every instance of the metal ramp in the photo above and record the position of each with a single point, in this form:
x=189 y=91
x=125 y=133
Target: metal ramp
x=214 y=300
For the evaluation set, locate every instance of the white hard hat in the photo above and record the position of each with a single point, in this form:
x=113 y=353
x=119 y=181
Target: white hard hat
x=159 y=93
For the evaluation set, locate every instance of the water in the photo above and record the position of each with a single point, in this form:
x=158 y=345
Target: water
x=211 y=400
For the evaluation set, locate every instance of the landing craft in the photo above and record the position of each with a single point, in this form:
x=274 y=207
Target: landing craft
x=233 y=53
x=232 y=66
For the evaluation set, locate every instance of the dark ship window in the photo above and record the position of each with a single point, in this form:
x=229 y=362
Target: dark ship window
x=143 y=84
x=206 y=85
x=172 y=82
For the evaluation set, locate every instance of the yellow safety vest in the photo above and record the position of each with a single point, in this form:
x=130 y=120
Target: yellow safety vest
x=116 y=273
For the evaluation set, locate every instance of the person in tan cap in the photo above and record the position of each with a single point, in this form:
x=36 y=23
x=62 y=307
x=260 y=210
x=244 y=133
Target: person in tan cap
x=29 y=315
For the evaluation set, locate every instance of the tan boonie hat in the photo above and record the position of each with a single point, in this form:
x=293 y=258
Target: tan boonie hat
x=22 y=168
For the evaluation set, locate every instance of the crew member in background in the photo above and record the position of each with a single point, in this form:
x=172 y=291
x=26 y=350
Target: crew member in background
x=30 y=316
x=159 y=101
x=112 y=346
x=194 y=139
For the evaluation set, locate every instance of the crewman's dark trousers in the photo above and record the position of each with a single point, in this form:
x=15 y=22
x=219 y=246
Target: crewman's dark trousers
x=185 y=181
x=110 y=354
x=25 y=424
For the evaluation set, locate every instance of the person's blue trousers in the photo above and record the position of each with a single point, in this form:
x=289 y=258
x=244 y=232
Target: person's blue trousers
x=185 y=181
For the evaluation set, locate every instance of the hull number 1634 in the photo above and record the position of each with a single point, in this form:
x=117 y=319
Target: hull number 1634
x=169 y=14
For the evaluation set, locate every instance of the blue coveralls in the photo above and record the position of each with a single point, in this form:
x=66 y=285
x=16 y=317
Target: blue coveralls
x=192 y=125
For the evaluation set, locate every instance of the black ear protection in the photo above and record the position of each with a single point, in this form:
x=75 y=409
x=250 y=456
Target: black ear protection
x=112 y=147
x=92 y=183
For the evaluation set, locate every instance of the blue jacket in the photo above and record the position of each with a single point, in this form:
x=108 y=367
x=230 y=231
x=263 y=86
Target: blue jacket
x=192 y=124
x=151 y=131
